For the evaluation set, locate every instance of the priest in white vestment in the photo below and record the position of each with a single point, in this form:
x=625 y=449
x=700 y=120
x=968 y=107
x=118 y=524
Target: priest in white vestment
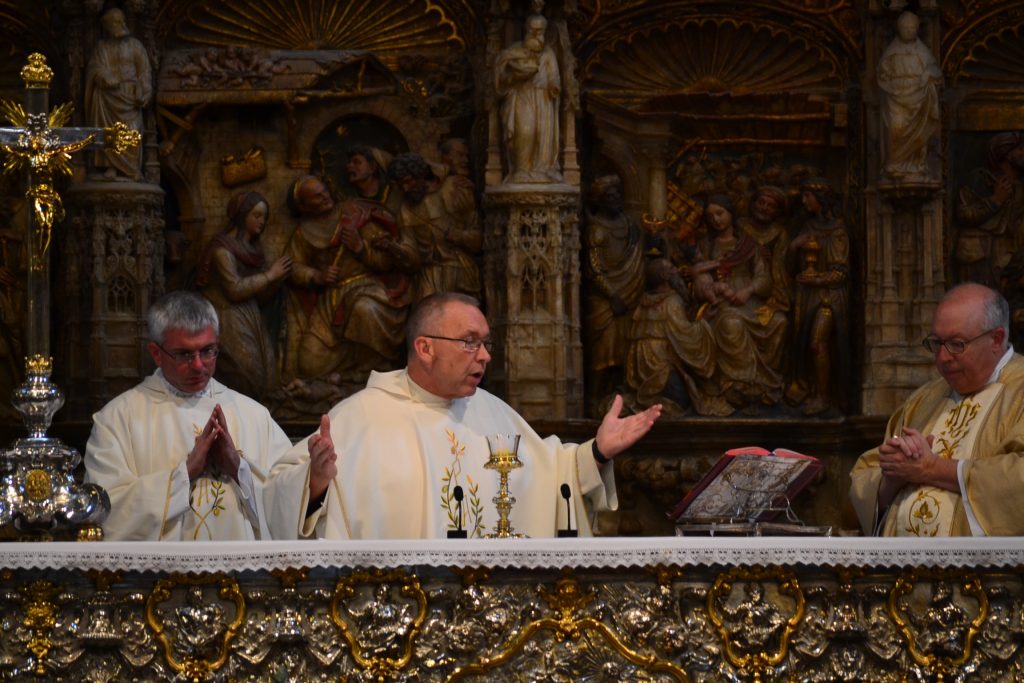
x=393 y=460
x=953 y=461
x=182 y=457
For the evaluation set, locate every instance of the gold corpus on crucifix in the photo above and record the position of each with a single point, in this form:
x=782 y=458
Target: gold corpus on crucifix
x=39 y=148
x=44 y=500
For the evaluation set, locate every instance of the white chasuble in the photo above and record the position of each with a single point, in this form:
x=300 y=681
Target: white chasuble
x=403 y=451
x=928 y=510
x=137 y=452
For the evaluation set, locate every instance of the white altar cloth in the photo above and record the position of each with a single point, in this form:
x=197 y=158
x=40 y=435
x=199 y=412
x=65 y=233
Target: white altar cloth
x=551 y=553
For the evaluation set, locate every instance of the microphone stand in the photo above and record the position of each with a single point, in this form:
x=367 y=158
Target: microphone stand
x=458 y=531
x=568 y=532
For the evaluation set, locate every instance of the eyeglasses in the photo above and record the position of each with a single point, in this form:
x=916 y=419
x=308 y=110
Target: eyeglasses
x=468 y=345
x=205 y=354
x=954 y=346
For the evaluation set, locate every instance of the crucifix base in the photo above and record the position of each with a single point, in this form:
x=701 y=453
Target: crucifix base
x=39 y=497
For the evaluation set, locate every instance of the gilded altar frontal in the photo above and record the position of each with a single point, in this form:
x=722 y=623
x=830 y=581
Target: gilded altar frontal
x=744 y=211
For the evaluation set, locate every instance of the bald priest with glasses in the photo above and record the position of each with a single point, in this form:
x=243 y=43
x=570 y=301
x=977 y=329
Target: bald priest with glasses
x=182 y=456
x=405 y=457
x=952 y=462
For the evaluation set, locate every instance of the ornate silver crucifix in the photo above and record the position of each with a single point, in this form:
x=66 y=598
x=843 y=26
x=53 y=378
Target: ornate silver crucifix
x=39 y=497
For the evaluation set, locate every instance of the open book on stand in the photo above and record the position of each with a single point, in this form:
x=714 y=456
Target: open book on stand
x=749 y=484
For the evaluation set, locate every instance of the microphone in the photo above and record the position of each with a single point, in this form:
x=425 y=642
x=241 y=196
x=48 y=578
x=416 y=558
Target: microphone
x=568 y=532
x=458 y=531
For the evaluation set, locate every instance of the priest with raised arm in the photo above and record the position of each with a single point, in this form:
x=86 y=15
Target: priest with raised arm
x=387 y=461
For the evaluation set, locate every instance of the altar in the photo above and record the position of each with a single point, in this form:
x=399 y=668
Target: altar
x=602 y=609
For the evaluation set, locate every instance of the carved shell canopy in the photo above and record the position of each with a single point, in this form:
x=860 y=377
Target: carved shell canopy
x=997 y=60
x=374 y=25
x=709 y=56
x=722 y=81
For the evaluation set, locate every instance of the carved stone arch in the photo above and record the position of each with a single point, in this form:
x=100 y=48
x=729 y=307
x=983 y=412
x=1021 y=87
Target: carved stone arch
x=178 y=182
x=421 y=135
x=330 y=149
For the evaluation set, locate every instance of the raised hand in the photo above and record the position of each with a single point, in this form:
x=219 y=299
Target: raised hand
x=323 y=465
x=616 y=434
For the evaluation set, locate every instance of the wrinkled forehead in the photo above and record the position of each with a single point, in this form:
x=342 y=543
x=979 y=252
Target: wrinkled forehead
x=462 y=321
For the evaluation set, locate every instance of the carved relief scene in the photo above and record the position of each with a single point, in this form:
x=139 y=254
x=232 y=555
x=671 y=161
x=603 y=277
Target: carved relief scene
x=744 y=212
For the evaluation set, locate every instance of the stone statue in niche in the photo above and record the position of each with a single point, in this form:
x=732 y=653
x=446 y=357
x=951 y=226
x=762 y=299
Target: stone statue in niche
x=991 y=229
x=909 y=79
x=615 y=275
x=440 y=217
x=732 y=280
x=348 y=305
x=235 y=277
x=118 y=85
x=529 y=86
x=671 y=359
x=821 y=313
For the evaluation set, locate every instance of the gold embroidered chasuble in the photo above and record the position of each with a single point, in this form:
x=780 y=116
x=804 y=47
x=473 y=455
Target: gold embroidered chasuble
x=137 y=451
x=401 y=452
x=985 y=430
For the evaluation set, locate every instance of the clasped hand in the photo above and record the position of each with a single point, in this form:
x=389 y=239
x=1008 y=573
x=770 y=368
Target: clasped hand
x=907 y=458
x=215 y=448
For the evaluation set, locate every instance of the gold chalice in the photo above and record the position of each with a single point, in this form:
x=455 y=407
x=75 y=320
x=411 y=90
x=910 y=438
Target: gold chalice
x=504 y=458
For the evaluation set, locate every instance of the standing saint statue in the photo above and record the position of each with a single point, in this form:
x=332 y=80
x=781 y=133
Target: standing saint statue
x=118 y=84
x=909 y=79
x=529 y=86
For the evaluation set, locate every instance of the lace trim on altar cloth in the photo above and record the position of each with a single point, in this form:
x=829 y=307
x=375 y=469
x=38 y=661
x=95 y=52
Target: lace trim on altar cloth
x=550 y=553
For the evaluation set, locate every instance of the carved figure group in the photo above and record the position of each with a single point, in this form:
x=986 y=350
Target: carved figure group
x=721 y=305
x=309 y=327
x=347 y=311
x=233 y=66
x=732 y=279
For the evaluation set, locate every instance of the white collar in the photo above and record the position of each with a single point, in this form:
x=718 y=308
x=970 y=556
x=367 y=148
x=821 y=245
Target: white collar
x=207 y=391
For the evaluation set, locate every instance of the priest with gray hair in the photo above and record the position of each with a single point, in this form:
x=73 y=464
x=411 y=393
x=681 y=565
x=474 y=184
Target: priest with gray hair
x=182 y=456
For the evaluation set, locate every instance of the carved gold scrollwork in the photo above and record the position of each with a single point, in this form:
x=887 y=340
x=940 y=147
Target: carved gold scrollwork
x=754 y=622
x=203 y=623
x=120 y=138
x=40 y=617
x=939 y=632
x=383 y=624
x=568 y=600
